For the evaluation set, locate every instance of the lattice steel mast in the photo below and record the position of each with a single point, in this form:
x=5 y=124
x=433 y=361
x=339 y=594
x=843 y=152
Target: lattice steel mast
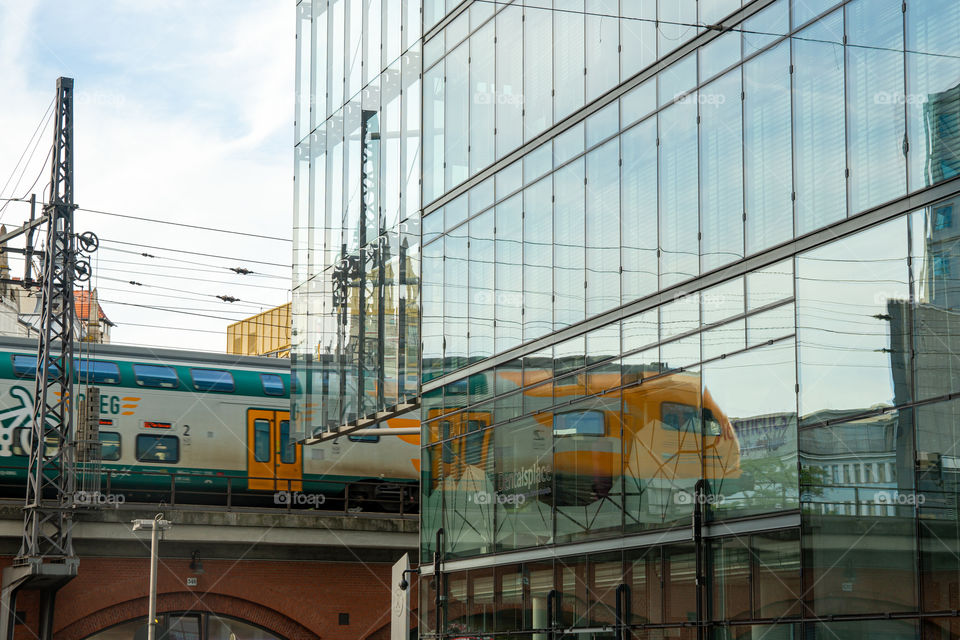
x=46 y=560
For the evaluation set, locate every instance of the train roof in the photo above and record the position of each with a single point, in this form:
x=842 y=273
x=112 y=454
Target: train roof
x=173 y=356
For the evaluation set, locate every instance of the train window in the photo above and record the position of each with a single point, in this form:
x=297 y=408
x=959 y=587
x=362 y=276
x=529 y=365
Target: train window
x=152 y=375
x=578 y=423
x=711 y=426
x=261 y=440
x=212 y=380
x=109 y=446
x=21 y=437
x=164 y=449
x=272 y=384
x=679 y=417
x=288 y=454
x=25 y=366
x=97 y=371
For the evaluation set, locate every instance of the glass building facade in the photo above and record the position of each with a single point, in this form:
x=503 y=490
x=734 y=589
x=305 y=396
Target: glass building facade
x=685 y=295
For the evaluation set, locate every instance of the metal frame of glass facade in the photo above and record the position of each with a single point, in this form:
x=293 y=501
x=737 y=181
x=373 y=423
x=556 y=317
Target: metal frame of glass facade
x=686 y=307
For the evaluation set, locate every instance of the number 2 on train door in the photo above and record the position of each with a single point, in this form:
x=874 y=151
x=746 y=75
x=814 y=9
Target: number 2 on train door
x=274 y=462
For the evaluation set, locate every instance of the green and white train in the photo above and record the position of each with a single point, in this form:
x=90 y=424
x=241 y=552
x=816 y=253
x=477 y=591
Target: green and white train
x=192 y=423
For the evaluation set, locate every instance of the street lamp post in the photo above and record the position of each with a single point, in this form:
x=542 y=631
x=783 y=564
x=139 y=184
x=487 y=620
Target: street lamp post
x=155 y=526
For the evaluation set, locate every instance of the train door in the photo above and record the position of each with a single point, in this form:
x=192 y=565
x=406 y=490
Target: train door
x=274 y=463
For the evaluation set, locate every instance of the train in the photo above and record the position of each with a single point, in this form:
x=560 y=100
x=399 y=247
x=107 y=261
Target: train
x=654 y=431
x=202 y=425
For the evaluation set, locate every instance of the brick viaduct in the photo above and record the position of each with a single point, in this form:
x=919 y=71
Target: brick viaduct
x=294 y=575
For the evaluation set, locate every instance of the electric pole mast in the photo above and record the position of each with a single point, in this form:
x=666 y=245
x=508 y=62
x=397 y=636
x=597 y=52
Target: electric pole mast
x=46 y=560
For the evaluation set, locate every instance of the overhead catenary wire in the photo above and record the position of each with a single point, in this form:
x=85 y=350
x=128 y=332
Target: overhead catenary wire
x=155 y=286
x=185 y=225
x=34 y=140
x=194 y=253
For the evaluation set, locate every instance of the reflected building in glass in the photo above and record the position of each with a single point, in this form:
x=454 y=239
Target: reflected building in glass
x=680 y=302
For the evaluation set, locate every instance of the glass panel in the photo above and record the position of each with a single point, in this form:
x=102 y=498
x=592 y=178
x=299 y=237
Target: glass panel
x=509 y=52
x=936 y=326
x=721 y=172
x=770 y=325
x=484 y=99
x=877 y=126
x=509 y=273
x=587 y=462
x=680 y=567
x=433 y=130
x=676 y=18
x=767 y=157
x=640 y=330
x=722 y=301
x=569 y=62
x=677 y=79
x=638 y=36
x=455 y=298
x=661 y=434
x=538 y=69
x=638 y=102
x=778 y=589
x=933 y=72
x=603 y=124
x=763 y=28
x=724 y=339
x=851 y=329
x=603 y=228
x=522 y=492
x=261 y=440
x=643 y=574
x=749 y=431
x=857 y=488
x=638 y=229
x=719 y=54
x=818 y=119
x=679 y=200
x=481 y=277
x=806 y=10
x=770 y=284
x=602 y=45
x=730 y=560
x=469 y=496
x=212 y=380
x=538 y=259
x=569 y=258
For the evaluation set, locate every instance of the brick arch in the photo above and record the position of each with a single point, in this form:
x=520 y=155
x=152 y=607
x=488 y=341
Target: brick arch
x=228 y=606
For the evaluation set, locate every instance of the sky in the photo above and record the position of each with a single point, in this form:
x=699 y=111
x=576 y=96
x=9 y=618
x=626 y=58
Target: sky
x=183 y=112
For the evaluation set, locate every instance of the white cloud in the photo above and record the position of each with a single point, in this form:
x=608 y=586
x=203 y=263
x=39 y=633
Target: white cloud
x=184 y=113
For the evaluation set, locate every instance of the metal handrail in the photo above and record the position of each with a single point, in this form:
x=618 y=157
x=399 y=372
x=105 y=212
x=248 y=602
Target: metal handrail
x=284 y=494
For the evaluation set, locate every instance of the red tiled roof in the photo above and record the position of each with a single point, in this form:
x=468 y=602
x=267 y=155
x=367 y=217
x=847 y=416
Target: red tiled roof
x=81 y=302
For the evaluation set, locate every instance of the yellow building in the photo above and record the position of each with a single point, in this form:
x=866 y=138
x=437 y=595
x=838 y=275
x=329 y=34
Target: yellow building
x=265 y=334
